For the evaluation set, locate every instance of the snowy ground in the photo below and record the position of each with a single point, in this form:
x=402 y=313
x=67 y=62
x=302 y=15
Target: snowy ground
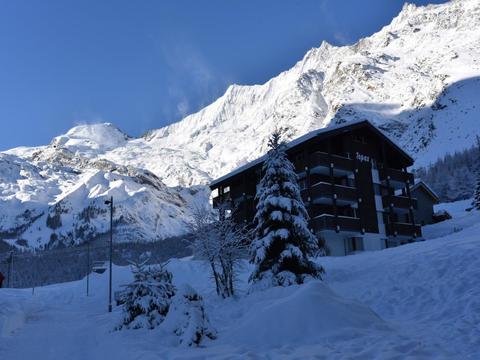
x=417 y=301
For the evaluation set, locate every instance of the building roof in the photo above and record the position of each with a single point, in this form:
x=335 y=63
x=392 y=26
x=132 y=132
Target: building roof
x=333 y=129
x=427 y=189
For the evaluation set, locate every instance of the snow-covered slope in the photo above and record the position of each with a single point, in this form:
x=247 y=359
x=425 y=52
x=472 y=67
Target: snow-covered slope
x=417 y=301
x=418 y=79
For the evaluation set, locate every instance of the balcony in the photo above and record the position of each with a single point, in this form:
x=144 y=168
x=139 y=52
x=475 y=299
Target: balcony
x=404 y=229
x=399 y=202
x=321 y=193
x=225 y=200
x=327 y=222
x=397 y=178
x=320 y=163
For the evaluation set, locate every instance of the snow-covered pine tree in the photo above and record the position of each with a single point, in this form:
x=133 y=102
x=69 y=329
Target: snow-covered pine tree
x=187 y=318
x=283 y=242
x=476 y=195
x=147 y=298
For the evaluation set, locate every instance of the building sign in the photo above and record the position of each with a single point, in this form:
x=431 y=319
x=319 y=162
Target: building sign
x=362 y=157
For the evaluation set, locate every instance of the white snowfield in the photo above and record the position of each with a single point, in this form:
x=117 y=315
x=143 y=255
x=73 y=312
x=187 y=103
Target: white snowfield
x=417 y=301
x=418 y=79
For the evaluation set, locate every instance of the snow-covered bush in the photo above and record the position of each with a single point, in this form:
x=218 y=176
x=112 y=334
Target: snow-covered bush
x=147 y=298
x=187 y=319
x=283 y=242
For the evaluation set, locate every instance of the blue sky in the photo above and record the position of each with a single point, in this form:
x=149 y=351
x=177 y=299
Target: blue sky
x=145 y=64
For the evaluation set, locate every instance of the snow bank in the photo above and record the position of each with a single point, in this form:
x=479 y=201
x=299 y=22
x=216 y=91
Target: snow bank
x=12 y=313
x=425 y=294
x=300 y=315
x=456 y=208
x=461 y=220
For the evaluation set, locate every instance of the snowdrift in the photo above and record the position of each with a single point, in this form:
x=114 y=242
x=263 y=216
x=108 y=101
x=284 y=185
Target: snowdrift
x=300 y=315
x=12 y=312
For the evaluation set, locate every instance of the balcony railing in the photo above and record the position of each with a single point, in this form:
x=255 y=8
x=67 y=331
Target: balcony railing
x=395 y=175
x=323 y=190
x=218 y=200
x=319 y=158
x=399 y=202
x=404 y=229
x=327 y=222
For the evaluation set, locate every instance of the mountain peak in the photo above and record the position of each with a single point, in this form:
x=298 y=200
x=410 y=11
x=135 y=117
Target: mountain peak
x=91 y=138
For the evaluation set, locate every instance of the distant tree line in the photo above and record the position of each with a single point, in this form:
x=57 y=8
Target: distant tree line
x=454 y=176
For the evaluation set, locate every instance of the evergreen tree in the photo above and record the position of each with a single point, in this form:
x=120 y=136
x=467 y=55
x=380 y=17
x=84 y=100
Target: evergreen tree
x=147 y=298
x=454 y=176
x=187 y=318
x=476 y=196
x=283 y=242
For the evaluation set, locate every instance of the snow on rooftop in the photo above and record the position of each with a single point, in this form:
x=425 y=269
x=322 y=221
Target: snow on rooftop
x=427 y=187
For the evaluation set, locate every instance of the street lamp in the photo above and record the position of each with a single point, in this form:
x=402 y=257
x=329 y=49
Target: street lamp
x=110 y=202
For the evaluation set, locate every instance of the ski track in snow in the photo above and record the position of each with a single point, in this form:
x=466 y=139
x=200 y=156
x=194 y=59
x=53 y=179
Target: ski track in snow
x=426 y=294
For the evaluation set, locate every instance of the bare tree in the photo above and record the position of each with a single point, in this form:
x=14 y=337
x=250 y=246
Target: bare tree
x=222 y=243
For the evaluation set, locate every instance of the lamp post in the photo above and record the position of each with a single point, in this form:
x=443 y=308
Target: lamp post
x=110 y=202
x=10 y=271
x=88 y=267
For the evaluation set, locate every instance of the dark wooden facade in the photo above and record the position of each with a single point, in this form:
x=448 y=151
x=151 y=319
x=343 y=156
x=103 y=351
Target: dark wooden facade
x=351 y=176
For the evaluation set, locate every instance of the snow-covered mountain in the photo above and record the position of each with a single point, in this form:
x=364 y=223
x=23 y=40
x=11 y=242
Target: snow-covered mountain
x=418 y=79
x=54 y=195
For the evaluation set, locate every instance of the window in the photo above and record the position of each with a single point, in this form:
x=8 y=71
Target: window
x=385 y=191
x=391 y=243
x=226 y=189
x=386 y=218
x=215 y=193
x=237 y=201
x=354 y=244
x=360 y=139
x=377 y=189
